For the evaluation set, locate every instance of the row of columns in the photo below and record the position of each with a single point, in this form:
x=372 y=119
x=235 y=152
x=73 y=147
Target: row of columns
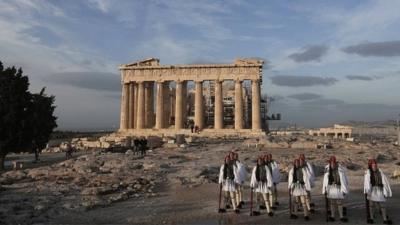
x=137 y=105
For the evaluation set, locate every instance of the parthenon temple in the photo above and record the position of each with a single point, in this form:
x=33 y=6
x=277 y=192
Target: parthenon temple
x=170 y=99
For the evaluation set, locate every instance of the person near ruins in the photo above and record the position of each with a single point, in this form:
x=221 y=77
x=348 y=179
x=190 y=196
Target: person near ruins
x=335 y=187
x=305 y=164
x=241 y=179
x=261 y=183
x=191 y=128
x=228 y=173
x=68 y=150
x=136 y=145
x=377 y=189
x=143 y=146
x=298 y=185
x=276 y=178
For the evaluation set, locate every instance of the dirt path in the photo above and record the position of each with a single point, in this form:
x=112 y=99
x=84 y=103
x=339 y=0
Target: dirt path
x=186 y=197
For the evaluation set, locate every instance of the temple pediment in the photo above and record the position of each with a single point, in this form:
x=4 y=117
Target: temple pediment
x=146 y=62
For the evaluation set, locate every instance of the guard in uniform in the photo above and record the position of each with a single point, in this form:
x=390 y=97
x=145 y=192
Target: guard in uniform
x=335 y=187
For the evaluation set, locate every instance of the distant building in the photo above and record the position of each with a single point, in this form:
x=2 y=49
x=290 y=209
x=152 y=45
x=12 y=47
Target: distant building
x=337 y=131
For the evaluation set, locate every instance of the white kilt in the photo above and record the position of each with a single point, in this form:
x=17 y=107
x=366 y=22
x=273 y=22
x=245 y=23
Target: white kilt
x=299 y=190
x=376 y=195
x=334 y=191
x=229 y=185
x=262 y=188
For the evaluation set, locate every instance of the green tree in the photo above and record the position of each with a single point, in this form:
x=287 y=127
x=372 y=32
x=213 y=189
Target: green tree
x=41 y=121
x=25 y=119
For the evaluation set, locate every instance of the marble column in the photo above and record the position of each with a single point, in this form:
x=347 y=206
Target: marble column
x=198 y=105
x=124 y=107
x=255 y=105
x=238 y=105
x=184 y=103
x=135 y=108
x=219 y=106
x=131 y=123
x=140 y=105
x=148 y=104
x=178 y=105
x=160 y=106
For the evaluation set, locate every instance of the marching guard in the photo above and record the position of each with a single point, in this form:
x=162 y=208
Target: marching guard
x=298 y=185
x=241 y=178
x=376 y=189
x=261 y=183
x=276 y=178
x=335 y=187
x=227 y=175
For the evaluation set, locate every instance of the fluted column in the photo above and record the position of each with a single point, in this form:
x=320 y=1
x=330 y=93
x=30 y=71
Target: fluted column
x=219 y=107
x=184 y=102
x=124 y=107
x=140 y=105
x=131 y=120
x=160 y=106
x=238 y=105
x=148 y=104
x=255 y=105
x=135 y=108
x=178 y=106
x=198 y=108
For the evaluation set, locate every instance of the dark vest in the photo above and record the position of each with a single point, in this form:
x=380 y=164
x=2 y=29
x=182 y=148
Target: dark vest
x=298 y=175
x=334 y=177
x=261 y=174
x=376 y=178
x=228 y=171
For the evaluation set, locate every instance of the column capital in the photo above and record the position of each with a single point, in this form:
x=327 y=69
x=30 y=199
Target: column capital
x=238 y=81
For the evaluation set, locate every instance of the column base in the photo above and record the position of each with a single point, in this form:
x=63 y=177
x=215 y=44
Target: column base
x=211 y=133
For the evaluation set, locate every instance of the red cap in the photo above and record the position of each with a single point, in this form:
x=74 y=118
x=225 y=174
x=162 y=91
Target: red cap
x=302 y=156
x=332 y=159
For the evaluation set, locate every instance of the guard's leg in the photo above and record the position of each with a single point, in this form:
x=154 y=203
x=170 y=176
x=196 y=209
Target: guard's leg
x=340 y=210
x=232 y=195
x=271 y=199
x=305 y=209
x=240 y=194
x=307 y=199
x=227 y=199
x=275 y=202
x=267 y=203
x=332 y=206
x=257 y=211
x=383 y=212
x=371 y=209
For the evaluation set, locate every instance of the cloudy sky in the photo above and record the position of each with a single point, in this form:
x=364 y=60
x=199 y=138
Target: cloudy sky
x=326 y=61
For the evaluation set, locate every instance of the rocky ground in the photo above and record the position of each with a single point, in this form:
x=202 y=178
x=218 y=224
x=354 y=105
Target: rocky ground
x=170 y=185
